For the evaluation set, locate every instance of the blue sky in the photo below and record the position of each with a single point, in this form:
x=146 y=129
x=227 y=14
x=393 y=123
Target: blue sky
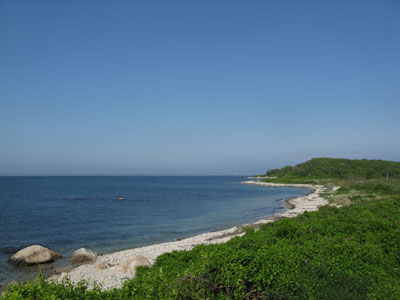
x=181 y=87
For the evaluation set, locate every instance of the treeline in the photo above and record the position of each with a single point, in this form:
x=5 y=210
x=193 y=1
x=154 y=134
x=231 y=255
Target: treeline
x=339 y=168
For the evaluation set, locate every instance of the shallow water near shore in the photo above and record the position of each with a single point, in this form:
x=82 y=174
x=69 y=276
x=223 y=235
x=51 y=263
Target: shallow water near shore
x=66 y=213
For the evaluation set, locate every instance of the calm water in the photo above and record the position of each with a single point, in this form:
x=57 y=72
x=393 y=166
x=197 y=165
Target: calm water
x=66 y=213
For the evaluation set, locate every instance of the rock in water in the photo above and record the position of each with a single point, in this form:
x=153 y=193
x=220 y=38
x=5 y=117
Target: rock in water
x=131 y=264
x=32 y=255
x=82 y=255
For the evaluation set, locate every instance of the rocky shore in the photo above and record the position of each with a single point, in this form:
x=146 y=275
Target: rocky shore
x=111 y=270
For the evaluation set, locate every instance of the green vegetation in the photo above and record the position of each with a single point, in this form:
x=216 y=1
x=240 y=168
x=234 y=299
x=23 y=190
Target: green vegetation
x=337 y=168
x=360 y=180
x=352 y=252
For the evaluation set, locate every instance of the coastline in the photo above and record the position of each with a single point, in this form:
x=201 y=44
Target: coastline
x=111 y=277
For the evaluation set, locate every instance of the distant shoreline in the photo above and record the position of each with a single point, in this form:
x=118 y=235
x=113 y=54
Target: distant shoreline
x=112 y=278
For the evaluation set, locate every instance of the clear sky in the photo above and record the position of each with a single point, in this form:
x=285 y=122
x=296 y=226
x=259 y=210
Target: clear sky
x=180 y=87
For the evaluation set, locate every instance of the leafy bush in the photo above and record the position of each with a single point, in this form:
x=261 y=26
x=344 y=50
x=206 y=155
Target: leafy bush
x=382 y=188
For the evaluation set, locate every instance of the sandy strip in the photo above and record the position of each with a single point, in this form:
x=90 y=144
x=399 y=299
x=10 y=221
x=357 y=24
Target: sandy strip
x=112 y=278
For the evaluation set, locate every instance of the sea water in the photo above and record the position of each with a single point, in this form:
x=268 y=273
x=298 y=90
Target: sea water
x=67 y=213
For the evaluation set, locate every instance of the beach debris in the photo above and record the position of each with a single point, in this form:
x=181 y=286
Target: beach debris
x=120 y=198
x=82 y=255
x=33 y=255
x=130 y=265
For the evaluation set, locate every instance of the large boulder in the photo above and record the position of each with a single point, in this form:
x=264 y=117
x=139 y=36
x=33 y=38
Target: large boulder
x=33 y=255
x=130 y=265
x=82 y=255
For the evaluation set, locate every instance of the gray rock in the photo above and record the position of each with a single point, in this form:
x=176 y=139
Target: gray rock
x=32 y=255
x=82 y=255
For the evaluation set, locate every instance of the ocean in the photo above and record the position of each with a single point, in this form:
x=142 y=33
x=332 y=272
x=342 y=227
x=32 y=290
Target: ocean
x=64 y=213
